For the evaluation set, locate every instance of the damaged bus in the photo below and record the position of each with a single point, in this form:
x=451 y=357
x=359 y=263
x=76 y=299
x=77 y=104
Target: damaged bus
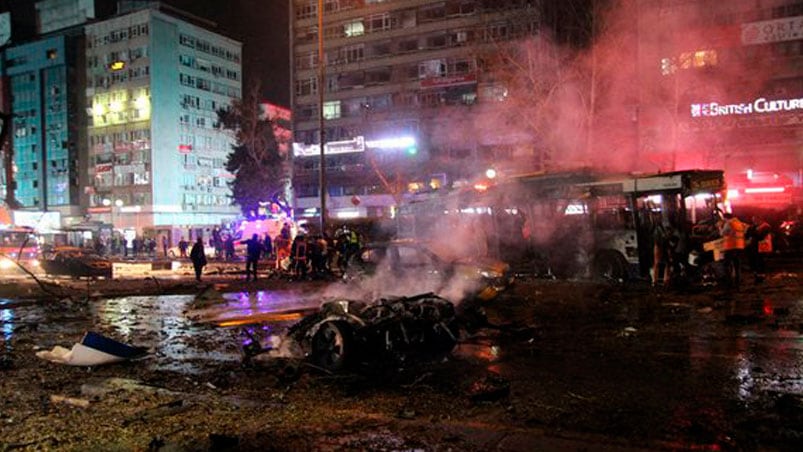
x=571 y=224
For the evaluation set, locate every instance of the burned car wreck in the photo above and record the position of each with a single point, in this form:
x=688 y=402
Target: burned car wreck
x=345 y=333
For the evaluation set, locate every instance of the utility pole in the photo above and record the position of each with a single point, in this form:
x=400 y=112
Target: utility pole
x=322 y=131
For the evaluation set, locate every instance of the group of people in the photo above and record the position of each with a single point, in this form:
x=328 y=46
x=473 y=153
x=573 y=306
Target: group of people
x=303 y=256
x=739 y=240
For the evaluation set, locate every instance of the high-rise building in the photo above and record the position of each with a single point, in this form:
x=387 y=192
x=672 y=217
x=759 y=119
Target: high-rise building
x=396 y=73
x=48 y=125
x=156 y=158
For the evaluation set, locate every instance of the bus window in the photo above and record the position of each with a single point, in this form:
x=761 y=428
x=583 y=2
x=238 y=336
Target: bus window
x=612 y=213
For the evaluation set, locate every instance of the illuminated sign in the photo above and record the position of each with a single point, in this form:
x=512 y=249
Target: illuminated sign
x=760 y=105
x=117 y=65
x=356 y=144
x=391 y=143
x=776 y=30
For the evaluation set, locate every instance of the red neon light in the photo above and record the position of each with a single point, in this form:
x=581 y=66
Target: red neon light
x=765 y=190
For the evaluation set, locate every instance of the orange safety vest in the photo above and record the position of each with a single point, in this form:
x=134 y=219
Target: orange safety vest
x=733 y=234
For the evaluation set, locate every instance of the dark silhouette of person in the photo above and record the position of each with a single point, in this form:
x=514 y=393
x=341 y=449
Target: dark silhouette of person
x=253 y=251
x=198 y=257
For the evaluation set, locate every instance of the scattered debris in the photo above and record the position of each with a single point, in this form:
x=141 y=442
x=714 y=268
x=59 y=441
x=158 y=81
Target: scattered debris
x=489 y=389
x=81 y=403
x=628 y=331
x=93 y=350
x=159 y=411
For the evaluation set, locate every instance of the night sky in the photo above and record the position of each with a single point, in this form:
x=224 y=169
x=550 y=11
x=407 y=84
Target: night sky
x=261 y=25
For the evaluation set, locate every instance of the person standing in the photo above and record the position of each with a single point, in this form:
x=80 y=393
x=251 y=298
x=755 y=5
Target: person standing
x=164 y=245
x=299 y=253
x=733 y=235
x=182 y=247
x=198 y=257
x=759 y=242
x=267 y=246
x=253 y=251
x=229 y=247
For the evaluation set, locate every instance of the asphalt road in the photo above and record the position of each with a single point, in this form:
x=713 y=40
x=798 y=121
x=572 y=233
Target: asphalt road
x=579 y=365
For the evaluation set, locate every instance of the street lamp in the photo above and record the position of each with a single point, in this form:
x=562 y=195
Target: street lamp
x=321 y=84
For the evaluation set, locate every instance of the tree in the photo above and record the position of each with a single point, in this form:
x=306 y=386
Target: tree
x=568 y=89
x=260 y=169
x=8 y=162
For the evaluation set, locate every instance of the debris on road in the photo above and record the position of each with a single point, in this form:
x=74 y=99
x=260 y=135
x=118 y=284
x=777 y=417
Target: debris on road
x=93 y=350
x=489 y=389
x=81 y=403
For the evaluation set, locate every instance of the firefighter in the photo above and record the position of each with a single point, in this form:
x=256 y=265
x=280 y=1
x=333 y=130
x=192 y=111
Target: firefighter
x=299 y=252
x=733 y=234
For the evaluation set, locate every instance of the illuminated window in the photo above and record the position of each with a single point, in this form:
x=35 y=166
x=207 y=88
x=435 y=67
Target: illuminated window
x=704 y=58
x=667 y=66
x=331 y=109
x=697 y=59
x=52 y=54
x=355 y=28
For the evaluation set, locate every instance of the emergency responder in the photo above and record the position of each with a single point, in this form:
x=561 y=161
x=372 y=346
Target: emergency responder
x=759 y=242
x=733 y=235
x=299 y=253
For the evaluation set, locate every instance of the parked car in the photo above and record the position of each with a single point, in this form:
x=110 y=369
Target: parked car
x=414 y=262
x=175 y=252
x=75 y=262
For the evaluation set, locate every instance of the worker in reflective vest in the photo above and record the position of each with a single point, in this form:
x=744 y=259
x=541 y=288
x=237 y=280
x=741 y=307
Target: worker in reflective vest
x=733 y=234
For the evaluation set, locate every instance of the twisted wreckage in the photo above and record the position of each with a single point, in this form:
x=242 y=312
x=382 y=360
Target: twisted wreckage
x=346 y=333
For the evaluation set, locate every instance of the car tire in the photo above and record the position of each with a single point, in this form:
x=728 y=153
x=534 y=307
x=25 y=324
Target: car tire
x=331 y=346
x=611 y=266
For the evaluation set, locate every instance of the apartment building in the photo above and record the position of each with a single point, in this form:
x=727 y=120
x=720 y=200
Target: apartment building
x=156 y=159
x=395 y=72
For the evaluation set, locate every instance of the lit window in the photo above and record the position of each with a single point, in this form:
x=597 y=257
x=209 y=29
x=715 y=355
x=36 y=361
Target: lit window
x=704 y=58
x=331 y=109
x=52 y=54
x=355 y=28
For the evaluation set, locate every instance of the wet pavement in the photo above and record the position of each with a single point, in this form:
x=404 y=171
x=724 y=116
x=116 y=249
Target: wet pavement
x=578 y=365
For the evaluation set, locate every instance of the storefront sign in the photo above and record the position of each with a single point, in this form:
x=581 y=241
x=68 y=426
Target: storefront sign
x=41 y=221
x=333 y=147
x=776 y=30
x=103 y=168
x=455 y=80
x=760 y=106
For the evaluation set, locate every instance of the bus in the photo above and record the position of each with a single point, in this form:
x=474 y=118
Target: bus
x=18 y=245
x=570 y=224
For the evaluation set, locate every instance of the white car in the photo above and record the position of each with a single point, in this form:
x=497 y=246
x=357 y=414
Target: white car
x=174 y=252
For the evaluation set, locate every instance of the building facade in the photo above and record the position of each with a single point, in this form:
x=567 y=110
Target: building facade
x=396 y=74
x=156 y=157
x=48 y=125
